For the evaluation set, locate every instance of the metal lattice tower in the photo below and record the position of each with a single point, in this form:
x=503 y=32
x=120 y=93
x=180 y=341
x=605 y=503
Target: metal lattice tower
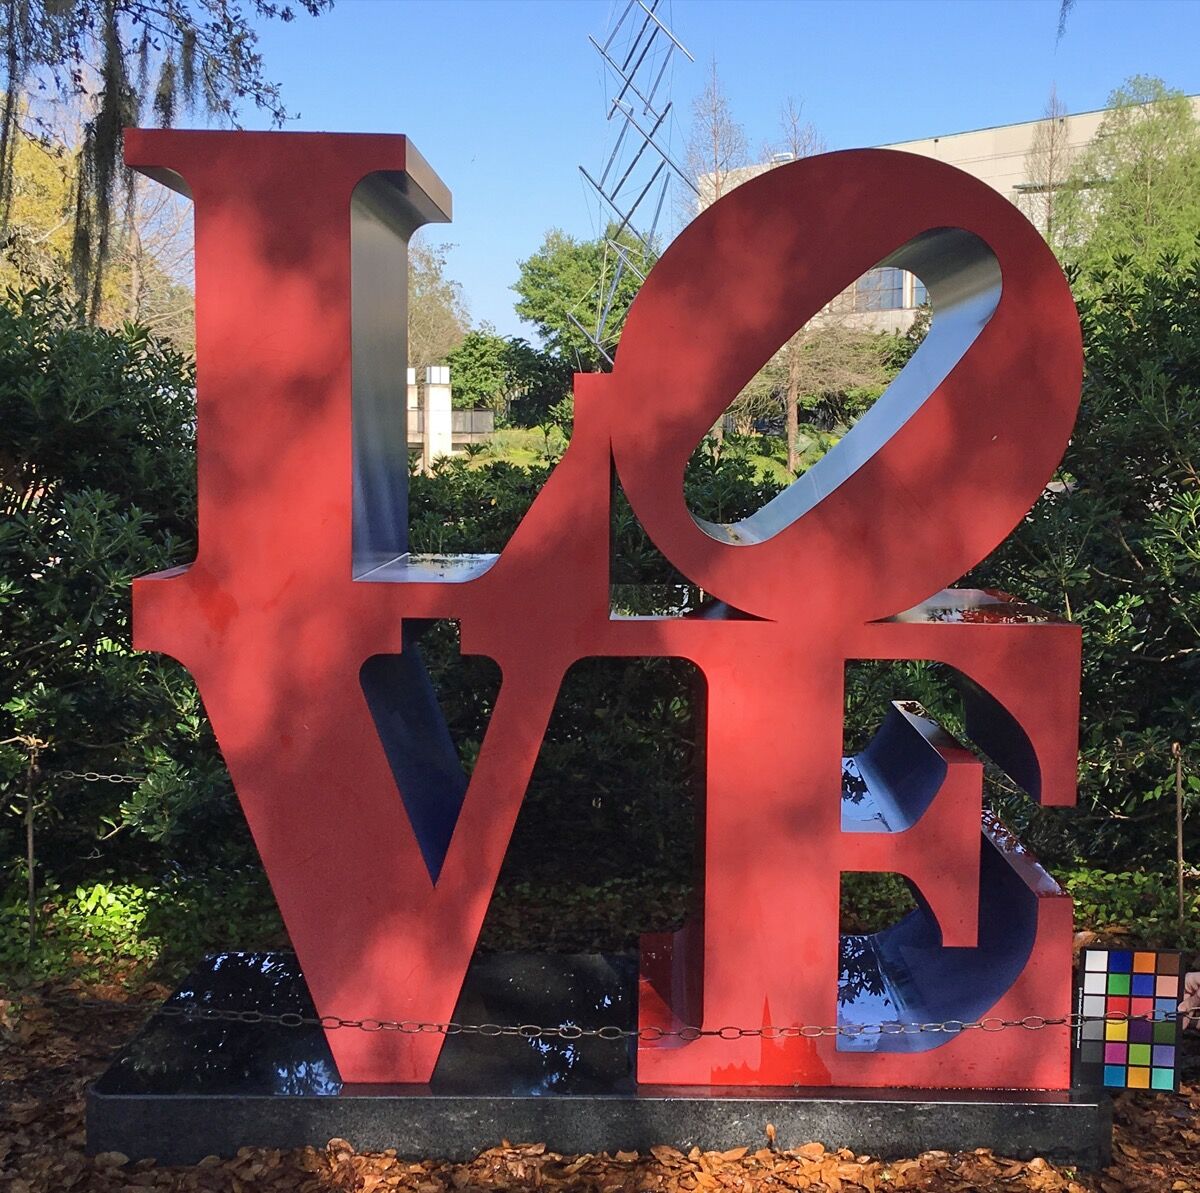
x=633 y=185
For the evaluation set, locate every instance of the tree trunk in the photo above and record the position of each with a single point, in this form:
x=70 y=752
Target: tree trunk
x=718 y=435
x=31 y=777
x=1177 y=750
x=135 y=274
x=792 y=413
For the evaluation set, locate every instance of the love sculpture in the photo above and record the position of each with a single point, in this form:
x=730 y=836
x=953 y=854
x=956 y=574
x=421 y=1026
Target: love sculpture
x=300 y=616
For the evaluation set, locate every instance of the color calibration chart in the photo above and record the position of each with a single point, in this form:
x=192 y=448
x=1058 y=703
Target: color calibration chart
x=1138 y=1053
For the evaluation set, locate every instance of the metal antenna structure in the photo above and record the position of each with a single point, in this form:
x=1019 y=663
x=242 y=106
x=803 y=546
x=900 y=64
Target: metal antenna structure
x=632 y=186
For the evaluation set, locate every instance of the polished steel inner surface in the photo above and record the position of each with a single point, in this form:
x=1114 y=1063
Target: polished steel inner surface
x=962 y=277
x=386 y=208
x=431 y=568
x=904 y=974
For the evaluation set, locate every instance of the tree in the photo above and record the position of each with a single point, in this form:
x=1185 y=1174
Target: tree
x=119 y=61
x=437 y=314
x=148 y=279
x=833 y=372
x=36 y=239
x=798 y=137
x=716 y=146
x=97 y=484
x=562 y=279
x=1047 y=167
x=508 y=375
x=1134 y=192
x=1115 y=547
x=823 y=380
x=1064 y=11
x=716 y=150
x=829 y=370
x=479 y=370
x=153 y=266
x=802 y=351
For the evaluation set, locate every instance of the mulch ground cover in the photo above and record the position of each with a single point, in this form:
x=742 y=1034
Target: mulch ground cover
x=50 y=1050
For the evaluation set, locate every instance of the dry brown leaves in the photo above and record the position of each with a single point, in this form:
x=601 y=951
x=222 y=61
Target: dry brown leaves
x=47 y=1056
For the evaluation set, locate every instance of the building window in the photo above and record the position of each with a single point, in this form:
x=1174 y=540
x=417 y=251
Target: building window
x=880 y=290
x=920 y=294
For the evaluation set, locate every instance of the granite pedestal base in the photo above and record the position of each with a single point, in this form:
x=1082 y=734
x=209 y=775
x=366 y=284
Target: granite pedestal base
x=188 y=1088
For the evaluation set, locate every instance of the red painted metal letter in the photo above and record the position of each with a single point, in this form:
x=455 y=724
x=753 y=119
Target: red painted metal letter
x=298 y=616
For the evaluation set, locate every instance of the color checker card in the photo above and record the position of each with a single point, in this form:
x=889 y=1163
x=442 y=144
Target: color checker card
x=1139 y=1052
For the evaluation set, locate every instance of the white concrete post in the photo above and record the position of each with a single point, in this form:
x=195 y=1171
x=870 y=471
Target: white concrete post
x=437 y=441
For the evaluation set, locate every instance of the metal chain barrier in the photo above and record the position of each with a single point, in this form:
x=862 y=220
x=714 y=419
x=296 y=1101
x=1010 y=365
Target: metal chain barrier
x=91 y=776
x=534 y=1031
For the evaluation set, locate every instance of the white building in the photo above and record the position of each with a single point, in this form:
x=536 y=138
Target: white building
x=1005 y=157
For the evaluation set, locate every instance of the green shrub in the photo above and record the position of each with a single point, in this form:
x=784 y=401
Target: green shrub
x=97 y=485
x=1116 y=548
x=138 y=928
x=1143 y=905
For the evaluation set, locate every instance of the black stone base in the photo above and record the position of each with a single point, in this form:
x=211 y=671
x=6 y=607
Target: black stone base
x=185 y=1089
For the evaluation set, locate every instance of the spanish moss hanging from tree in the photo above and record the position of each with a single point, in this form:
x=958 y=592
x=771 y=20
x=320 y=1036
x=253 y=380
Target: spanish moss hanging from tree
x=119 y=62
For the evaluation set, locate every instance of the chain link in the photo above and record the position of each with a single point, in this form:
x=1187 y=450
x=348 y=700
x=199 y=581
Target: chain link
x=533 y=1031
x=91 y=776
x=646 y=1035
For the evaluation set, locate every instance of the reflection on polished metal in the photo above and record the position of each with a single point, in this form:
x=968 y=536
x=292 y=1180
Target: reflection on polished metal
x=300 y=617
x=189 y=1088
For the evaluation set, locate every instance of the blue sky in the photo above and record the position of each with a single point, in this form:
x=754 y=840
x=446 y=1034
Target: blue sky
x=505 y=98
